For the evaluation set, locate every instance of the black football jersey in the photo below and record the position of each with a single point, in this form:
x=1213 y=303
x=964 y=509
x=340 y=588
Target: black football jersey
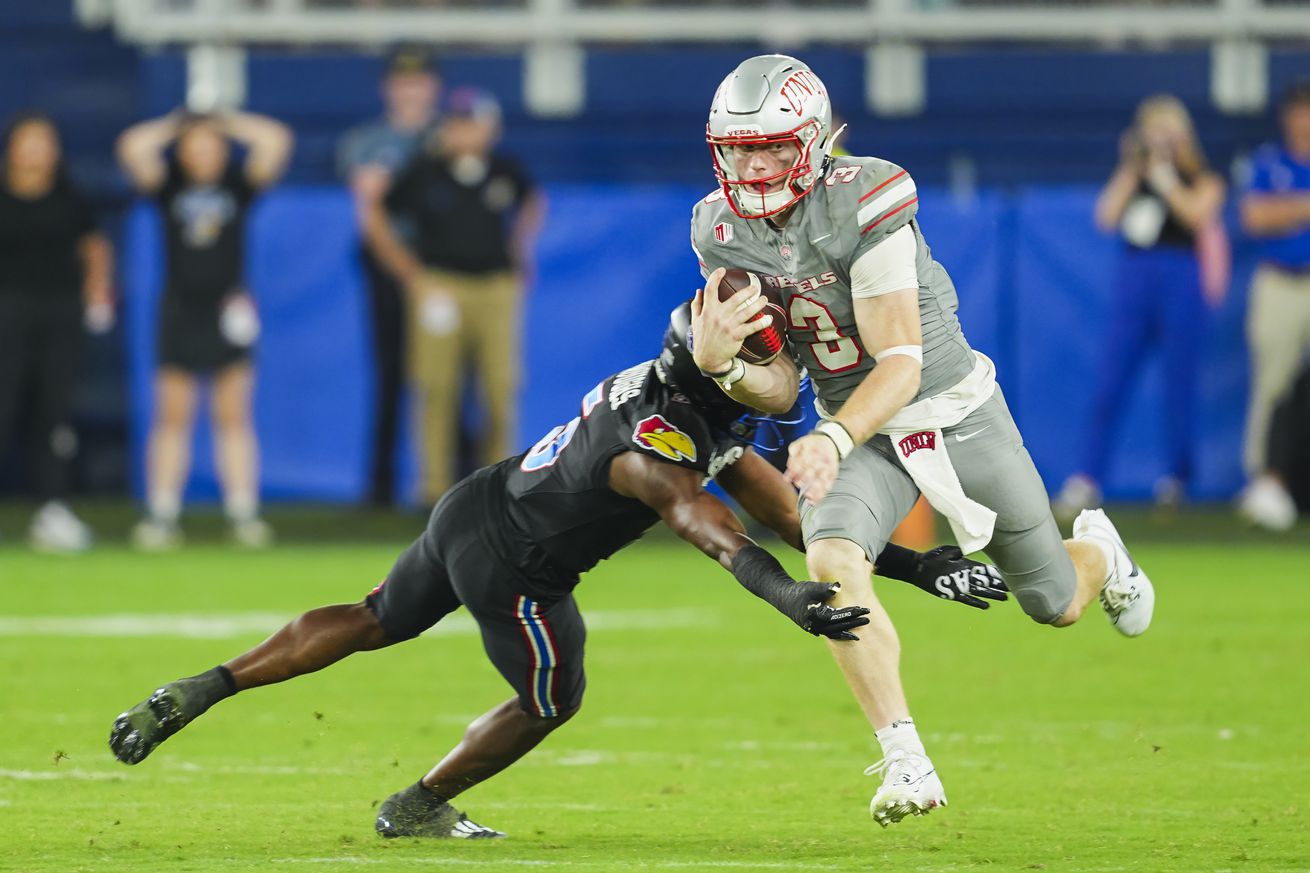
x=562 y=518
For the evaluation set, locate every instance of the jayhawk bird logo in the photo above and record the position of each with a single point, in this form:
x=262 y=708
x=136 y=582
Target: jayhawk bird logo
x=655 y=433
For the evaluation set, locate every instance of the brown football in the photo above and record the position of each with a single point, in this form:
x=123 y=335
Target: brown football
x=763 y=346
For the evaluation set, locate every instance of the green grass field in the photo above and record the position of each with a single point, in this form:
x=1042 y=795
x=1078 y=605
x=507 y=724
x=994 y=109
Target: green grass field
x=715 y=735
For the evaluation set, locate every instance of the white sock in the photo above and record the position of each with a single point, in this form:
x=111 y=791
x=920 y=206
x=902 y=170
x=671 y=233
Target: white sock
x=1107 y=549
x=241 y=507
x=900 y=735
x=164 y=507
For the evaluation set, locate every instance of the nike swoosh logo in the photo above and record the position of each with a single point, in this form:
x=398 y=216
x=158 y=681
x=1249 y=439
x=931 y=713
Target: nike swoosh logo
x=820 y=239
x=961 y=437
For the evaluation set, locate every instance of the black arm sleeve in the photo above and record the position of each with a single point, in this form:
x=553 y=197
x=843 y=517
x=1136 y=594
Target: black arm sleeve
x=897 y=562
x=760 y=573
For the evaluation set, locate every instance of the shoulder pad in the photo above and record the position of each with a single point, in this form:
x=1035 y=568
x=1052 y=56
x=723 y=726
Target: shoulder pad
x=870 y=198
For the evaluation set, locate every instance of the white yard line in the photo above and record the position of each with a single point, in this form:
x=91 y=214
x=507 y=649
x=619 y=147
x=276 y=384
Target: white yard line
x=61 y=773
x=501 y=863
x=221 y=625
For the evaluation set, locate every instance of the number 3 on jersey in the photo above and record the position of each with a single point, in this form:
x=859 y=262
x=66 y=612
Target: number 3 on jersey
x=832 y=350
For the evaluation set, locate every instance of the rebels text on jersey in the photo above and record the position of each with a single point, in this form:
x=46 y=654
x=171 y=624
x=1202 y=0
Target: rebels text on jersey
x=558 y=515
x=859 y=203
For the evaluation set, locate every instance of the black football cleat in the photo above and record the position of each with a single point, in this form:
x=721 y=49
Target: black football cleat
x=137 y=732
x=416 y=812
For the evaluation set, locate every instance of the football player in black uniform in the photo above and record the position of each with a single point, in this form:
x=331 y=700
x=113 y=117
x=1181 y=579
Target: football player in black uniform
x=509 y=543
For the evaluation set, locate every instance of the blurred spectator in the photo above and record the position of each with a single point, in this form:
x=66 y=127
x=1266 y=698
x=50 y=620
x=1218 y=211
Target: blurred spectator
x=1276 y=211
x=55 y=276
x=475 y=215
x=207 y=320
x=1163 y=201
x=368 y=157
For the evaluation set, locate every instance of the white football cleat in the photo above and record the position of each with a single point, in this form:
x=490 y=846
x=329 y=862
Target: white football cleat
x=1266 y=503
x=1128 y=597
x=909 y=787
x=156 y=535
x=56 y=529
x=252 y=533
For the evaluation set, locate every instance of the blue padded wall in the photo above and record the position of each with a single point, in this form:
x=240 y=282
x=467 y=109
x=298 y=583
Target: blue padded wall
x=1032 y=274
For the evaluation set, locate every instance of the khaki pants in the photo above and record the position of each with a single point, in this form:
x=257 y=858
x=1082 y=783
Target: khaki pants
x=1278 y=330
x=475 y=323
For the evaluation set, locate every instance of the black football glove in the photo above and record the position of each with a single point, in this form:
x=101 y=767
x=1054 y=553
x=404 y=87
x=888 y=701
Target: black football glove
x=803 y=603
x=946 y=573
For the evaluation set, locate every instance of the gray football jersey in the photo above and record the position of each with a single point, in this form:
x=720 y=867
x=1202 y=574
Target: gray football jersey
x=859 y=203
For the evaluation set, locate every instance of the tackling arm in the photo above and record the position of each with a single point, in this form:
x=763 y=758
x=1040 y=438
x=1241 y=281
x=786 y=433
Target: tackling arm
x=707 y=523
x=766 y=495
x=944 y=572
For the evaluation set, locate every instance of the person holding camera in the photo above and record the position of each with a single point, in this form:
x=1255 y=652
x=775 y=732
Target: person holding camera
x=1164 y=203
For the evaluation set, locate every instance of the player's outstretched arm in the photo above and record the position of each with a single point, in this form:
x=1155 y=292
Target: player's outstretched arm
x=943 y=572
x=703 y=520
x=765 y=494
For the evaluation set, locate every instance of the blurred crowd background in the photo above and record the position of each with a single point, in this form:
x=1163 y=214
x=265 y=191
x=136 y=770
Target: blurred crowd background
x=451 y=218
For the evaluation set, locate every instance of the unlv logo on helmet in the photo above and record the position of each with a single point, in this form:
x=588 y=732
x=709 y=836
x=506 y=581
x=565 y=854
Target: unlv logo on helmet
x=801 y=87
x=655 y=433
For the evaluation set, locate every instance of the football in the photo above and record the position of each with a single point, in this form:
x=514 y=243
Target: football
x=764 y=346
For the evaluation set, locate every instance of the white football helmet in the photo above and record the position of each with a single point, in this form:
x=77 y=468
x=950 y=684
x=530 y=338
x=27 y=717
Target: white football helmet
x=770 y=99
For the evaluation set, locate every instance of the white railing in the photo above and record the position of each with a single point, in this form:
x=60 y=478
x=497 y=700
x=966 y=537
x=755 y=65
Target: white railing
x=553 y=33
x=521 y=22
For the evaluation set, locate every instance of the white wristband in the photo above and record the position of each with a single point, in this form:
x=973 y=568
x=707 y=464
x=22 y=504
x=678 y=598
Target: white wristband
x=841 y=438
x=915 y=352
x=736 y=370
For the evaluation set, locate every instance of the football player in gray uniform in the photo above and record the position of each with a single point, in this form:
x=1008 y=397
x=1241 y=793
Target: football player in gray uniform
x=908 y=407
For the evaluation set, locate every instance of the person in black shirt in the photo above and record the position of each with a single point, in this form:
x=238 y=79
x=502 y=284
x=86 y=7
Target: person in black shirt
x=55 y=275
x=1163 y=201
x=207 y=322
x=369 y=157
x=509 y=543
x=474 y=215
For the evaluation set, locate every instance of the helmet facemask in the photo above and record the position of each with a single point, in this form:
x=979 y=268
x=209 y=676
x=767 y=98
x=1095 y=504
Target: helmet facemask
x=749 y=198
